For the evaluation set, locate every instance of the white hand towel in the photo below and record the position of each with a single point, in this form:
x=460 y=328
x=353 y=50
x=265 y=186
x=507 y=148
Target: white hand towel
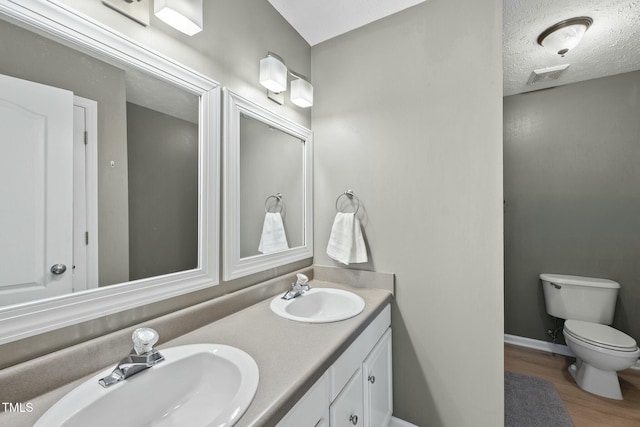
x=273 y=238
x=346 y=244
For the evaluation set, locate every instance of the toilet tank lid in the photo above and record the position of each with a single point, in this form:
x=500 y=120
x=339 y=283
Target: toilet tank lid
x=563 y=279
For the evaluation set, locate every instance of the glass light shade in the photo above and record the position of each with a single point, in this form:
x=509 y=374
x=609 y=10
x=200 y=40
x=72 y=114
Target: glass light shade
x=273 y=74
x=301 y=93
x=564 y=39
x=183 y=15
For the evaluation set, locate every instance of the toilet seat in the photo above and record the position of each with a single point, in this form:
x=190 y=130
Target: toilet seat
x=602 y=336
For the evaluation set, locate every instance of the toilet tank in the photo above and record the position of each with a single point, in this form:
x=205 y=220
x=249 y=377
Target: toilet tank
x=580 y=298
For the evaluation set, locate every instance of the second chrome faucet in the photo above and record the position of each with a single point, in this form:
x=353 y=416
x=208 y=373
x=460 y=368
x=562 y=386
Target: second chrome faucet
x=298 y=288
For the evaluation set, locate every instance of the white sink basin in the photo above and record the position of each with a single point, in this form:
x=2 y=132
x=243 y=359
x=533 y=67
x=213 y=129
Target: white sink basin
x=319 y=305
x=196 y=385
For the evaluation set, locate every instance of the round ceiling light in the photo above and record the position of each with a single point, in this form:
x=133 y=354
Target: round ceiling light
x=560 y=38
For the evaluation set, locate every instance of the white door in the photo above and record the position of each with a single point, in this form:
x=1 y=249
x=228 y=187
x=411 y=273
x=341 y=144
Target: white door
x=36 y=191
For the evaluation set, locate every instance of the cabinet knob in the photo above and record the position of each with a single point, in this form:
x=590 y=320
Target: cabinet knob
x=353 y=419
x=372 y=379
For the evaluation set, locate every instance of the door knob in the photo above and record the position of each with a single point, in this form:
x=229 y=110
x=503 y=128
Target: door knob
x=353 y=419
x=58 y=268
x=372 y=379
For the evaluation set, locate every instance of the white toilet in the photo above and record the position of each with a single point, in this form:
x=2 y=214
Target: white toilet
x=587 y=305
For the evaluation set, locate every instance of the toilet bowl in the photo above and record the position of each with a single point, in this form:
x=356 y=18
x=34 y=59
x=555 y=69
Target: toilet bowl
x=600 y=351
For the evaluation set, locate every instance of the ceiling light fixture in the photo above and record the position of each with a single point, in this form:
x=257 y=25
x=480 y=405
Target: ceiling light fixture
x=274 y=76
x=560 y=38
x=183 y=15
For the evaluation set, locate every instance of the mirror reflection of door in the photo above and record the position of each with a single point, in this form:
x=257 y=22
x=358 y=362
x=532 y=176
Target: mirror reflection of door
x=85 y=198
x=36 y=173
x=143 y=211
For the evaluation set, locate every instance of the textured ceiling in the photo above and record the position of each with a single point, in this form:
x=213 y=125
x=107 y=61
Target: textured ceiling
x=320 y=20
x=610 y=46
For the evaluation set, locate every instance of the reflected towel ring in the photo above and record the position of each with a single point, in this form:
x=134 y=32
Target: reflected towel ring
x=349 y=194
x=278 y=197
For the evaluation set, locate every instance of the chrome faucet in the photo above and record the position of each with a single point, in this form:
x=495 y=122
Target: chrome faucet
x=141 y=357
x=298 y=288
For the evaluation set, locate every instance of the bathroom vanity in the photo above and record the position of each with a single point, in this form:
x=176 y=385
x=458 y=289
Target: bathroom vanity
x=356 y=389
x=336 y=373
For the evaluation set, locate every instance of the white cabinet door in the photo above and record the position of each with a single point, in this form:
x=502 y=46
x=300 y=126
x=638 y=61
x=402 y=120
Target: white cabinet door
x=36 y=198
x=312 y=410
x=347 y=410
x=378 y=390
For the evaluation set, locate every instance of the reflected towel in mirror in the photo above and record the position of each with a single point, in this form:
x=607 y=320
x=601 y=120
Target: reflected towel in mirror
x=346 y=244
x=273 y=238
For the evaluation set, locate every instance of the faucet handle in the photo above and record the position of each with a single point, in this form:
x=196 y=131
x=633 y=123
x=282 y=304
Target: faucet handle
x=144 y=339
x=302 y=279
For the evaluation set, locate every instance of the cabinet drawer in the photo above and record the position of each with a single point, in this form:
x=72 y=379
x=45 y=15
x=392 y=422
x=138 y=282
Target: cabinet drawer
x=351 y=359
x=312 y=410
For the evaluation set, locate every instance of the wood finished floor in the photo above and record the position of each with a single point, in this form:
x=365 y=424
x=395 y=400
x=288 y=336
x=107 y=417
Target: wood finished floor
x=586 y=409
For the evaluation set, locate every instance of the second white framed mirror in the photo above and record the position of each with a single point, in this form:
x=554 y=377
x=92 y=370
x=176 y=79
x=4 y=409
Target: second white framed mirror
x=268 y=189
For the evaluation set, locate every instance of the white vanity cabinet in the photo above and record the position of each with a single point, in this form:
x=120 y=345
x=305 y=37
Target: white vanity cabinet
x=357 y=389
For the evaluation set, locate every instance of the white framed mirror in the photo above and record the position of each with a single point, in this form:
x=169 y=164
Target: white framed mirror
x=131 y=255
x=268 y=189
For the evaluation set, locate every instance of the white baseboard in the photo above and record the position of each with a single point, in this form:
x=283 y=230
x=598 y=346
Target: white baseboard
x=397 y=422
x=538 y=345
x=545 y=346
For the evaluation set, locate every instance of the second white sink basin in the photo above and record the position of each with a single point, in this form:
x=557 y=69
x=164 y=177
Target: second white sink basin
x=196 y=385
x=319 y=305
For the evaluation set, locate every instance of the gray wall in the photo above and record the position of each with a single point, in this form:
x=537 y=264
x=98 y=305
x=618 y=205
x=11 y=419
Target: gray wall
x=29 y=56
x=163 y=193
x=271 y=162
x=408 y=114
x=571 y=175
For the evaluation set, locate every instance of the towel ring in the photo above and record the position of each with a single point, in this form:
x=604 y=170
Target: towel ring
x=349 y=194
x=278 y=197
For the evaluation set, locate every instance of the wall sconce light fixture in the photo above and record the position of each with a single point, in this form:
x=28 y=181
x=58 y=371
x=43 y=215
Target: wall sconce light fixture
x=273 y=73
x=274 y=76
x=301 y=91
x=183 y=15
x=560 y=38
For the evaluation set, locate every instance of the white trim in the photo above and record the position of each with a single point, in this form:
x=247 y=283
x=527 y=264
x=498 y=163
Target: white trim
x=538 y=345
x=233 y=265
x=61 y=21
x=91 y=179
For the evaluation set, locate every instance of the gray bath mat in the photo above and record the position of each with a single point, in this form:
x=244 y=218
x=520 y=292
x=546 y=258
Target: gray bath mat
x=532 y=402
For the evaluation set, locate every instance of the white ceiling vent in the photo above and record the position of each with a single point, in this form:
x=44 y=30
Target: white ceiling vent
x=546 y=74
